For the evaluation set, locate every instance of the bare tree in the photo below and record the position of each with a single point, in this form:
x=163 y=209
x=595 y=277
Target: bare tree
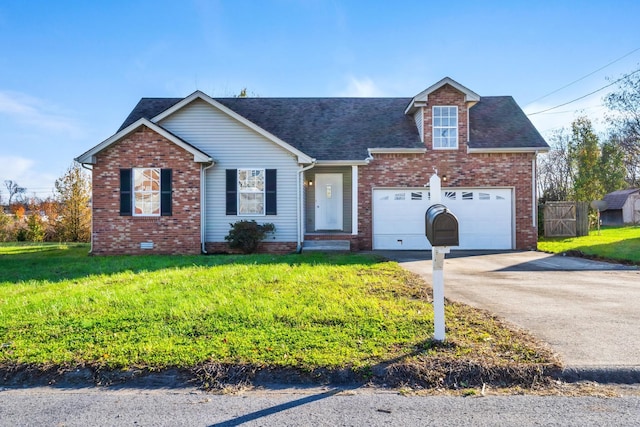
x=14 y=189
x=554 y=169
x=624 y=117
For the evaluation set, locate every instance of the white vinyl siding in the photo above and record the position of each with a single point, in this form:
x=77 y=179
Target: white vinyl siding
x=419 y=119
x=232 y=145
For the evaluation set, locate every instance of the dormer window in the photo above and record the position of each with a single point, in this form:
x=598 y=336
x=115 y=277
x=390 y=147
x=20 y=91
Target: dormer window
x=445 y=127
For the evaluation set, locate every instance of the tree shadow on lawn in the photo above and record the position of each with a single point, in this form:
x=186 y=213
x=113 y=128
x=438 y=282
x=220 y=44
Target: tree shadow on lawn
x=53 y=264
x=578 y=259
x=624 y=252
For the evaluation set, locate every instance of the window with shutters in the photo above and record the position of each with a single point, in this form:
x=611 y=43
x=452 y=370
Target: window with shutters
x=145 y=192
x=251 y=192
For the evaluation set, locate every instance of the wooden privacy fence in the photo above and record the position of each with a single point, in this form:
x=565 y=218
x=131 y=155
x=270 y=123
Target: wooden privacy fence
x=566 y=219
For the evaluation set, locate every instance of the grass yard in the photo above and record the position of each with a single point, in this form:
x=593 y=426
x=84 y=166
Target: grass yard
x=62 y=308
x=613 y=243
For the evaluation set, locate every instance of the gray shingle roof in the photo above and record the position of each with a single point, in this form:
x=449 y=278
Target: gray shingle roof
x=498 y=122
x=617 y=199
x=344 y=128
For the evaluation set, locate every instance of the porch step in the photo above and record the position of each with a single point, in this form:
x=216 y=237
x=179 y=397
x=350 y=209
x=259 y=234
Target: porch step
x=326 y=245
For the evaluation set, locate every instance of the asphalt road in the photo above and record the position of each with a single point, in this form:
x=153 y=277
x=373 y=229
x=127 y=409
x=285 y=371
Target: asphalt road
x=328 y=407
x=587 y=311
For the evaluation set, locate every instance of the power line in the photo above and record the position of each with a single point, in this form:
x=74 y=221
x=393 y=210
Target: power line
x=584 y=96
x=584 y=77
x=592 y=107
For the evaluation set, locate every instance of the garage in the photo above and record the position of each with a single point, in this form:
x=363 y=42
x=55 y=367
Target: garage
x=485 y=217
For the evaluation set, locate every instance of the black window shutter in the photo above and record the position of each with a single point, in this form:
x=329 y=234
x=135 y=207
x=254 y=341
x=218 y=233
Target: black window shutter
x=232 y=191
x=271 y=203
x=165 y=192
x=125 y=192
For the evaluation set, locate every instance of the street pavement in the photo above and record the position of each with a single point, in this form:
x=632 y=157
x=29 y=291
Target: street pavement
x=305 y=407
x=587 y=311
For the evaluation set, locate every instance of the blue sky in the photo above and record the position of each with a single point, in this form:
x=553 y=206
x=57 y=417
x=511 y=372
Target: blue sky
x=71 y=71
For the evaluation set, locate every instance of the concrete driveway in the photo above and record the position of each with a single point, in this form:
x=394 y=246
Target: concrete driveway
x=587 y=311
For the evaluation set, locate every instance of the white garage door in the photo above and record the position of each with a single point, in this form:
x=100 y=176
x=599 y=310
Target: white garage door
x=484 y=217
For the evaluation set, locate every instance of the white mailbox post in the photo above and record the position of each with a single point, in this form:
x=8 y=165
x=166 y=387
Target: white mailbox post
x=441 y=228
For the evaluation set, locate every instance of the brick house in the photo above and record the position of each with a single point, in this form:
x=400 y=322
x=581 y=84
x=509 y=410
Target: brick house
x=179 y=171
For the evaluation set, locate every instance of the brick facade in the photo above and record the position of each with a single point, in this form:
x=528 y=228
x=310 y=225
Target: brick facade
x=175 y=234
x=447 y=96
x=462 y=170
x=268 y=247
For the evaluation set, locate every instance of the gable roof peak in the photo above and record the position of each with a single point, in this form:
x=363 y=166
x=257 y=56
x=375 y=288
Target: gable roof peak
x=421 y=99
x=89 y=157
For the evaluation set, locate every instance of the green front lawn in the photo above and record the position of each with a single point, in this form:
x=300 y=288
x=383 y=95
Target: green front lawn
x=614 y=243
x=60 y=307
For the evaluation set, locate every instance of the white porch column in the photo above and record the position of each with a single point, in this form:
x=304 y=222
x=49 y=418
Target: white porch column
x=354 y=200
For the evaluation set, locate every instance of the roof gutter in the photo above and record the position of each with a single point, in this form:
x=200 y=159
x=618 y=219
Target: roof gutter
x=396 y=151
x=341 y=162
x=534 y=150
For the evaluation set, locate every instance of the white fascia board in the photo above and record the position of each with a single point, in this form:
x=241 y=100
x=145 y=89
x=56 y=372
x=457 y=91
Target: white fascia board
x=341 y=162
x=90 y=156
x=422 y=97
x=508 y=150
x=414 y=105
x=397 y=150
x=302 y=157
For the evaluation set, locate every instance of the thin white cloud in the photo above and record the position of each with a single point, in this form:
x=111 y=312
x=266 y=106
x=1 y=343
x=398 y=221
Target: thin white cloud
x=26 y=174
x=29 y=110
x=363 y=87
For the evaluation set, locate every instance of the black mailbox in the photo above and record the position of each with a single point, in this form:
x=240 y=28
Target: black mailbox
x=441 y=226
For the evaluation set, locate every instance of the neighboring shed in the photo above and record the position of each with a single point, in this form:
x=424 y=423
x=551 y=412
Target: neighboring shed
x=623 y=207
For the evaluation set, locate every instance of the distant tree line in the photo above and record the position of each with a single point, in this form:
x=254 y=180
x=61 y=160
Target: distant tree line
x=63 y=217
x=584 y=167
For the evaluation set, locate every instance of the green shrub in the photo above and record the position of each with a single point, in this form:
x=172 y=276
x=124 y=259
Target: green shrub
x=247 y=235
x=35 y=228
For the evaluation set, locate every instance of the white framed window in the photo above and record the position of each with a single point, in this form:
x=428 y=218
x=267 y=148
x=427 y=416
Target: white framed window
x=146 y=191
x=251 y=191
x=445 y=127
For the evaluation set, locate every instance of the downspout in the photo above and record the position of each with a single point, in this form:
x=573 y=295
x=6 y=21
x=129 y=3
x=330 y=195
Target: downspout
x=534 y=192
x=301 y=206
x=91 y=239
x=203 y=205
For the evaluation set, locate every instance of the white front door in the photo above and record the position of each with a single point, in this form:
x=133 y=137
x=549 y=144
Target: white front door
x=329 y=201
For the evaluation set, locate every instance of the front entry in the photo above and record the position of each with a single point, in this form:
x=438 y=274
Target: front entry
x=329 y=201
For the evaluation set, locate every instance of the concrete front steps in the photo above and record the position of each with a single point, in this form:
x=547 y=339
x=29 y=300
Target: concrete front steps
x=326 y=245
